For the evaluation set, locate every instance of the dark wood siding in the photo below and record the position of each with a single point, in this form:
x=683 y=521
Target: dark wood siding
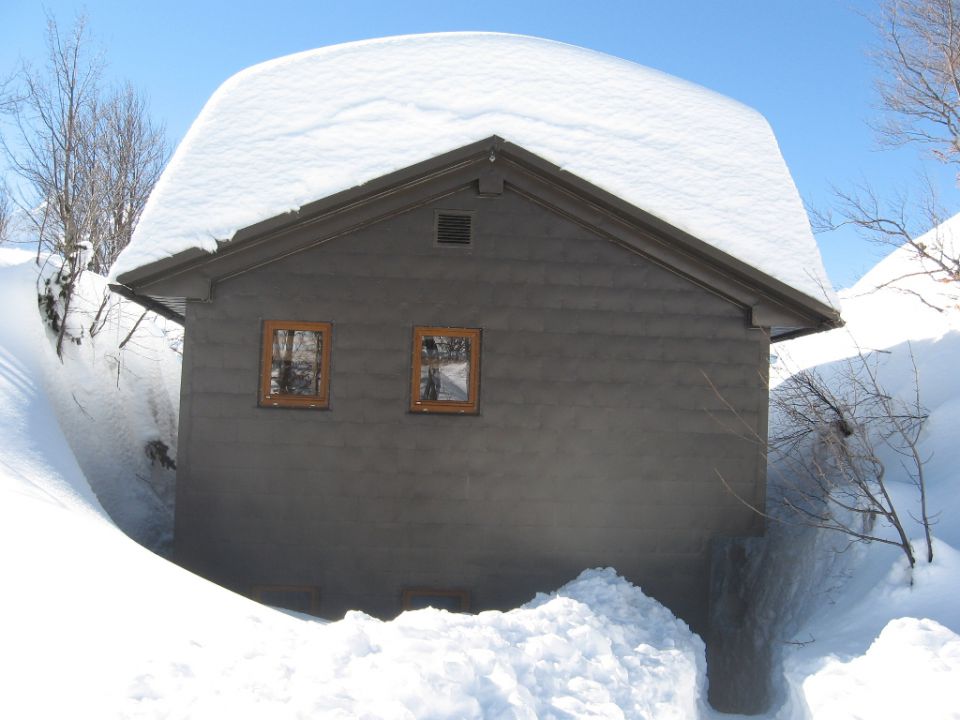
x=598 y=440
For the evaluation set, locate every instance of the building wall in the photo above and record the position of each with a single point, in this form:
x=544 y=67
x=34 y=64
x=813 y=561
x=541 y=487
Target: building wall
x=598 y=442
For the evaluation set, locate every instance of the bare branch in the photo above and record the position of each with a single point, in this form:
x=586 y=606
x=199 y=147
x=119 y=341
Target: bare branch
x=917 y=227
x=6 y=210
x=86 y=158
x=823 y=455
x=132 y=330
x=919 y=84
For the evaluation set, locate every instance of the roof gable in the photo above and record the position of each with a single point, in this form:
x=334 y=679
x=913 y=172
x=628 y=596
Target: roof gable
x=489 y=166
x=281 y=134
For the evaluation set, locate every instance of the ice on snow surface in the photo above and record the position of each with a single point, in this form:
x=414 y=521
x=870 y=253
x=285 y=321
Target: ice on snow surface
x=299 y=128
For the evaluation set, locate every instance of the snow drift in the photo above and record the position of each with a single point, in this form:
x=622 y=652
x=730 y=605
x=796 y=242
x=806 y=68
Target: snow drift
x=859 y=634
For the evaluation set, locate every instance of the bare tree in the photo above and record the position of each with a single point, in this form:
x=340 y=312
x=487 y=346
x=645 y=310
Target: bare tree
x=133 y=151
x=918 y=59
x=54 y=115
x=919 y=86
x=898 y=222
x=86 y=161
x=828 y=451
x=5 y=212
x=54 y=118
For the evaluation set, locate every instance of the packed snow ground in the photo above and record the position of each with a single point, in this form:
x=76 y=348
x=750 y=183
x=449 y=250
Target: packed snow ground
x=96 y=626
x=330 y=119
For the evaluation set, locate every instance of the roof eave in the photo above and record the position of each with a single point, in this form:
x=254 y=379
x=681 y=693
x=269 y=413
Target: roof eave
x=136 y=283
x=152 y=303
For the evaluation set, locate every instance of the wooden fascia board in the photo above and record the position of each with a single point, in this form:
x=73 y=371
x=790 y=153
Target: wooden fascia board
x=198 y=280
x=191 y=274
x=766 y=307
x=148 y=302
x=428 y=172
x=771 y=295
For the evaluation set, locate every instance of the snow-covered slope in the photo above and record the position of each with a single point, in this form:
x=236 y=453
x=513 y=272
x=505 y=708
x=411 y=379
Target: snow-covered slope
x=108 y=403
x=865 y=636
x=299 y=128
x=95 y=626
x=35 y=457
x=897 y=301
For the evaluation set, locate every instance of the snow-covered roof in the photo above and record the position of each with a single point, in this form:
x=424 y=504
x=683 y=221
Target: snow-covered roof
x=299 y=128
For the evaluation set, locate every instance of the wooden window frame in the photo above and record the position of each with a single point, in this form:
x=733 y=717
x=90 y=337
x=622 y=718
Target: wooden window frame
x=409 y=593
x=471 y=406
x=321 y=401
x=257 y=592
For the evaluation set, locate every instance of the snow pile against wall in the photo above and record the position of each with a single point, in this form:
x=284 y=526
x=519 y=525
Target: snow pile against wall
x=35 y=459
x=287 y=132
x=108 y=403
x=150 y=640
x=910 y=670
x=860 y=634
x=596 y=648
x=879 y=647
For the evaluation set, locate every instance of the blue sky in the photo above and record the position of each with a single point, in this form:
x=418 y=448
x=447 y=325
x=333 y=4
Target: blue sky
x=804 y=64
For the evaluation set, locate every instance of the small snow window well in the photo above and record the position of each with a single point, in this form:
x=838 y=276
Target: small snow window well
x=454 y=227
x=300 y=598
x=450 y=600
x=446 y=370
x=295 y=368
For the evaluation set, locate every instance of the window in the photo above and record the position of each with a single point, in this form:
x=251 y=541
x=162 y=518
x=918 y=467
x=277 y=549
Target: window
x=296 y=364
x=450 y=600
x=446 y=370
x=299 y=598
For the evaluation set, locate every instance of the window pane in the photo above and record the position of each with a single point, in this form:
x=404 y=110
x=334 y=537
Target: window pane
x=296 y=364
x=445 y=368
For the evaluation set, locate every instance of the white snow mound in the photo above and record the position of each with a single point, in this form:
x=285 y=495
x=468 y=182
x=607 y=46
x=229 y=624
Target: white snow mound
x=875 y=639
x=299 y=128
x=911 y=670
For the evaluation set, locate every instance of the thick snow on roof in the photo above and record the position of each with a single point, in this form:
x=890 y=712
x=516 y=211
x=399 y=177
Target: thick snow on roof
x=299 y=128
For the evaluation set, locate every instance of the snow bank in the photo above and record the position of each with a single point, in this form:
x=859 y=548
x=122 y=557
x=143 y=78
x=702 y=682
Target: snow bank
x=106 y=403
x=142 y=638
x=596 y=648
x=908 y=324
x=866 y=636
x=35 y=459
x=910 y=671
x=299 y=128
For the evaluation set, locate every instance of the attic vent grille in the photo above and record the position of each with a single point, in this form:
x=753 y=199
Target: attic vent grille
x=454 y=228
